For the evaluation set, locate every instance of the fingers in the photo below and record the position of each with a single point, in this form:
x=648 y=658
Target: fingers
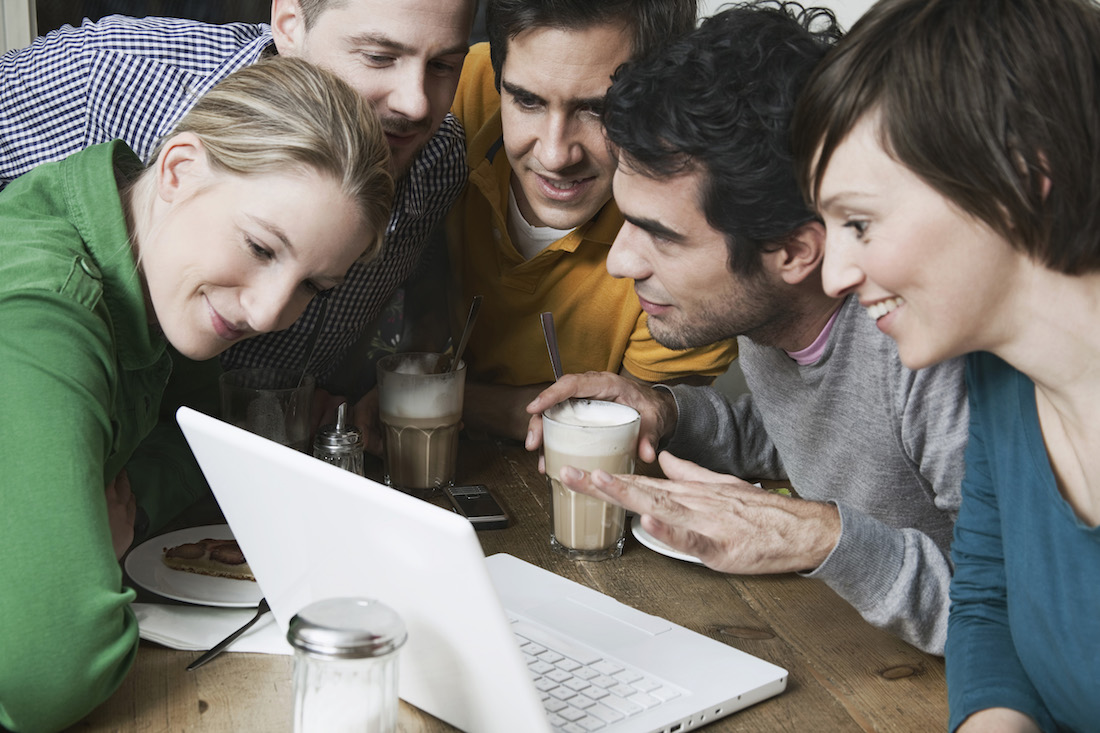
x=678 y=469
x=639 y=494
x=647 y=445
x=590 y=385
x=683 y=470
x=534 y=433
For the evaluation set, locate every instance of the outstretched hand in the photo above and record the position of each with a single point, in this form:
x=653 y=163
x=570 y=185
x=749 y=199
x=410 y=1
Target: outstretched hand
x=656 y=407
x=728 y=523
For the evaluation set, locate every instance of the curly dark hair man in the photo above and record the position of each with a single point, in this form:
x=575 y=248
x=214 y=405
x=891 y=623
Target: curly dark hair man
x=718 y=241
x=722 y=101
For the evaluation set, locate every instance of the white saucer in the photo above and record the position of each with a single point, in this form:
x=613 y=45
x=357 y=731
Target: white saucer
x=146 y=568
x=656 y=545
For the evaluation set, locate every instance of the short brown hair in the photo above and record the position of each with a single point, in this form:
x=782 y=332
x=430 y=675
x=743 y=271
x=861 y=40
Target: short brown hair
x=987 y=101
x=651 y=23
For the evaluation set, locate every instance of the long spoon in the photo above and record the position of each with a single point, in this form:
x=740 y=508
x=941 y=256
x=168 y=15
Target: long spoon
x=474 y=306
x=551 y=337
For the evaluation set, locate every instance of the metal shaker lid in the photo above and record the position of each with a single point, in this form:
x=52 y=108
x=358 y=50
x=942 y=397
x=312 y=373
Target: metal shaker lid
x=340 y=436
x=347 y=628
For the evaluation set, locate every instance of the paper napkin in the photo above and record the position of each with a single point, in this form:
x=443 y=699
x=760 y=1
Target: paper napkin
x=197 y=628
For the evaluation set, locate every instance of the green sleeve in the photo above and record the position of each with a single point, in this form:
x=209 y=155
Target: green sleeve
x=68 y=635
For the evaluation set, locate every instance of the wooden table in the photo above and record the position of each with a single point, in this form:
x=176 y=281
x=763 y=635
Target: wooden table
x=845 y=675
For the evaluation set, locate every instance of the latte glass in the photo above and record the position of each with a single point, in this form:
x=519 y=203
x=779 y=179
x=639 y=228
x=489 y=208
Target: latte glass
x=421 y=412
x=587 y=434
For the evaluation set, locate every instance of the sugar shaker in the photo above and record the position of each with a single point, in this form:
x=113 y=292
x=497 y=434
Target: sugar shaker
x=345 y=666
x=340 y=444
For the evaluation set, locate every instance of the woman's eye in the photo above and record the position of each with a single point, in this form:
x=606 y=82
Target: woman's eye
x=859 y=226
x=257 y=250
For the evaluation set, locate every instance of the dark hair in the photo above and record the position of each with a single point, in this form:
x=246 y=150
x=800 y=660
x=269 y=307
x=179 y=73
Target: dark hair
x=719 y=101
x=987 y=101
x=313 y=9
x=653 y=22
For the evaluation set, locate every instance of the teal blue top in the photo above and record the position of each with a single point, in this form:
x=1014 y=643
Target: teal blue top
x=1024 y=627
x=83 y=375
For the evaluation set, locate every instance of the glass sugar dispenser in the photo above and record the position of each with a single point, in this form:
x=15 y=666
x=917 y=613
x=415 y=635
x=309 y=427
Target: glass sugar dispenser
x=340 y=444
x=346 y=666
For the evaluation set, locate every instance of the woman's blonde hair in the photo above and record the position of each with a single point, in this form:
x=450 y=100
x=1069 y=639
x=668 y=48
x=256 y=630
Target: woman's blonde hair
x=285 y=114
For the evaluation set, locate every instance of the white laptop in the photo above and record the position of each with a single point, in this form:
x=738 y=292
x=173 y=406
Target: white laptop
x=495 y=644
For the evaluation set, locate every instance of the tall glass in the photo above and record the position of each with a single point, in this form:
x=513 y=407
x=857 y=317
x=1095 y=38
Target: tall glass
x=590 y=435
x=274 y=403
x=421 y=411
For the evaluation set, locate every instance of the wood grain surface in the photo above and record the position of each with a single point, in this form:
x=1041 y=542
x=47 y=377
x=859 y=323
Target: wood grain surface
x=845 y=675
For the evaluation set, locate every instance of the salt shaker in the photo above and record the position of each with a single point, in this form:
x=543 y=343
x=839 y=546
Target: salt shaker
x=340 y=444
x=345 y=666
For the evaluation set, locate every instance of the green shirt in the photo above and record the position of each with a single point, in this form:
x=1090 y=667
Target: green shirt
x=82 y=381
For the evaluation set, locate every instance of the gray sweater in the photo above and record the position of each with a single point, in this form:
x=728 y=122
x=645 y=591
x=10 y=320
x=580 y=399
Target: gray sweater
x=859 y=430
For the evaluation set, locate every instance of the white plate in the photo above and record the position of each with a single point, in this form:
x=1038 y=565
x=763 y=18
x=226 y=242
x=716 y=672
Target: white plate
x=656 y=545
x=147 y=569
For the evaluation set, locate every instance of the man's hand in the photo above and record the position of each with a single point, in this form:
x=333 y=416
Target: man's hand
x=121 y=512
x=729 y=524
x=657 y=407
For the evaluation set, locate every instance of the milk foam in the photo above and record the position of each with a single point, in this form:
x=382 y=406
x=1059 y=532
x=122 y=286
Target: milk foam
x=414 y=390
x=591 y=428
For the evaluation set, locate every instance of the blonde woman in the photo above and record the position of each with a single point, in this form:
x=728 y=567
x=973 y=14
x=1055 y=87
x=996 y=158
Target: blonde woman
x=953 y=150
x=270 y=188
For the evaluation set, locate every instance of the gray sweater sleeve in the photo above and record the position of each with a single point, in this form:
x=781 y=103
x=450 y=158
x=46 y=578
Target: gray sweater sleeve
x=898 y=576
x=722 y=435
x=858 y=430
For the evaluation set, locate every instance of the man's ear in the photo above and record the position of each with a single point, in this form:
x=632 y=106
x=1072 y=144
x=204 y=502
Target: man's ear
x=288 y=27
x=800 y=255
x=181 y=166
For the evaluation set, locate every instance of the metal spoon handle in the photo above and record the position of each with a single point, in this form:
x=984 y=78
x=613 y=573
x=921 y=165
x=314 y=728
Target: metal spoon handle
x=221 y=645
x=474 y=306
x=551 y=343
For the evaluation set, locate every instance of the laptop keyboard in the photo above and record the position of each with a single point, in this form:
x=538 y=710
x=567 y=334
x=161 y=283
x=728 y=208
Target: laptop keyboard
x=582 y=690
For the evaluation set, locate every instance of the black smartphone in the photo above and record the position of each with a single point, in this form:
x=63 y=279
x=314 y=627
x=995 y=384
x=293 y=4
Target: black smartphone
x=477 y=504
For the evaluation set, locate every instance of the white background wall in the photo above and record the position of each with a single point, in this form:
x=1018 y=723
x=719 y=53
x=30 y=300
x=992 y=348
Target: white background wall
x=846 y=10
x=16 y=23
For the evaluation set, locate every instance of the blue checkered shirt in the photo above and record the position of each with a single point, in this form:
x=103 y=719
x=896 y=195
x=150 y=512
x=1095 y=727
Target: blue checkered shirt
x=134 y=79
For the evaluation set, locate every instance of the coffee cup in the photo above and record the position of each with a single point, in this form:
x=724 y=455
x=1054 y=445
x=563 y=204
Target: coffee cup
x=590 y=435
x=421 y=412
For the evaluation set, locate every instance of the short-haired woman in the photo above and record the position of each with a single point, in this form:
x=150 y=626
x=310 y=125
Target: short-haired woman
x=953 y=150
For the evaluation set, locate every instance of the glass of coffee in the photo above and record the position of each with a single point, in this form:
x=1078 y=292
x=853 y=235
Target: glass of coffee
x=587 y=434
x=421 y=410
x=274 y=403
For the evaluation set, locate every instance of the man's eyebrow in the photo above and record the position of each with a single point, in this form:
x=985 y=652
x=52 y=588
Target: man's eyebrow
x=381 y=40
x=654 y=227
x=516 y=90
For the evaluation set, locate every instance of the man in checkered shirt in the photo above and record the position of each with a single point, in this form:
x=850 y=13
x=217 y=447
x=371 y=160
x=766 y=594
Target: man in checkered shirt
x=132 y=79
